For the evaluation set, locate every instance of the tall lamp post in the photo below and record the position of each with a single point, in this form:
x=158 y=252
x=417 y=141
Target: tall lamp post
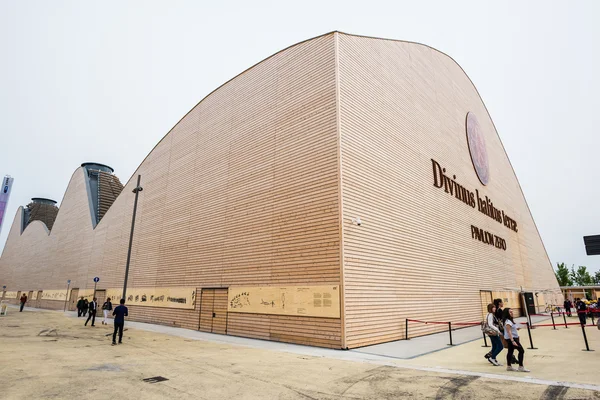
x=137 y=191
x=67 y=295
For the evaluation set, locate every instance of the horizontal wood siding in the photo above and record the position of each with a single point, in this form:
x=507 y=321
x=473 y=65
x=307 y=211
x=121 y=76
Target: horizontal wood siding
x=322 y=332
x=242 y=191
x=401 y=105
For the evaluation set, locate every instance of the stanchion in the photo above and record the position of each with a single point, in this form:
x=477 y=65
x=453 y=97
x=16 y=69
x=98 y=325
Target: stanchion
x=406 y=330
x=565 y=318
x=552 y=316
x=530 y=339
x=592 y=316
x=485 y=341
x=450 y=332
x=587 y=346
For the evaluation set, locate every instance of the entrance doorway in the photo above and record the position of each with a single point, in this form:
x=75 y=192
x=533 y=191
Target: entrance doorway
x=100 y=298
x=486 y=298
x=213 y=311
x=74 y=299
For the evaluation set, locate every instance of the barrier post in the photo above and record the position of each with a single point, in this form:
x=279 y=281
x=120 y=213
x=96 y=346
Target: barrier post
x=565 y=318
x=406 y=330
x=450 y=332
x=552 y=316
x=530 y=339
x=587 y=346
x=484 y=340
x=592 y=316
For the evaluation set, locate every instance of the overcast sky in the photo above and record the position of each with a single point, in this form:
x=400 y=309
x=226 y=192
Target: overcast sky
x=106 y=81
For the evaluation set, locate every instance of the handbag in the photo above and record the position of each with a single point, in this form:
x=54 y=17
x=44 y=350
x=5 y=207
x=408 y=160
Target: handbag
x=485 y=328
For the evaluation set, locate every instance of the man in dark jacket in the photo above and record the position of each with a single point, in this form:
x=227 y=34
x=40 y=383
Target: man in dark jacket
x=80 y=305
x=120 y=313
x=23 y=301
x=581 y=311
x=93 y=306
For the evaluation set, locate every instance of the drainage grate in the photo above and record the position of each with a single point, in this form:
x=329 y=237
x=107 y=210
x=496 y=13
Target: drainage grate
x=155 y=379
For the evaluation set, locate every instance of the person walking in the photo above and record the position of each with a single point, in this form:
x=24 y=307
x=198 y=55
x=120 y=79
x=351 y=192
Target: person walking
x=86 y=305
x=120 y=313
x=511 y=334
x=23 y=301
x=581 y=311
x=568 y=306
x=80 y=304
x=106 y=307
x=499 y=304
x=93 y=306
x=494 y=324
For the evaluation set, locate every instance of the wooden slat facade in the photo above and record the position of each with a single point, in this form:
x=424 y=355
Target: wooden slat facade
x=259 y=183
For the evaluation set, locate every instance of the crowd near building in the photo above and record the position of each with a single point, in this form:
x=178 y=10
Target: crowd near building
x=321 y=197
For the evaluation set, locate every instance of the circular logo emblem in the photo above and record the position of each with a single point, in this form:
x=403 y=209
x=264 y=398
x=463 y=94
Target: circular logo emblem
x=477 y=149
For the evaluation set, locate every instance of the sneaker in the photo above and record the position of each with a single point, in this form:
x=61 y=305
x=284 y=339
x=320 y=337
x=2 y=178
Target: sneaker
x=493 y=361
x=487 y=356
x=511 y=368
x=114 y=344
x=523 y=369
x=498 y=363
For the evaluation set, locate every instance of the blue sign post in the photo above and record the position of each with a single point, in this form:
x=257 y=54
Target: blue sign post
x=67 y=295
x=96 y=280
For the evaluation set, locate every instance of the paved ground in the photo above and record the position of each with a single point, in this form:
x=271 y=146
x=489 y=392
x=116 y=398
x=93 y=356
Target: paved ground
x=52 y=355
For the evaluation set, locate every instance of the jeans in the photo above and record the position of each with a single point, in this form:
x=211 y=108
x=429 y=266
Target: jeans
x=511 y=351
x=22 y=305
x=119 y=327
x=105 y=315
x=497 y=346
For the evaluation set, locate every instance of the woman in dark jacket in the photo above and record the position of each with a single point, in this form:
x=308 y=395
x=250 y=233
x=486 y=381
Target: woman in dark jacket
x=86 y=305
x=106 y=308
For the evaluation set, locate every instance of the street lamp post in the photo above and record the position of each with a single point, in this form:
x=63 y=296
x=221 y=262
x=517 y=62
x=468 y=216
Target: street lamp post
x=137 y=191
x=67 y=295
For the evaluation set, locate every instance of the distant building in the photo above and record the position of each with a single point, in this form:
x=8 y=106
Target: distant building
x=7 y=183
x=321 y=197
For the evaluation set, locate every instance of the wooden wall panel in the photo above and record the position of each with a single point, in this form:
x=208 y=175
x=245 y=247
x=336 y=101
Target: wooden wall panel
x=242 y=191
x=401 y=105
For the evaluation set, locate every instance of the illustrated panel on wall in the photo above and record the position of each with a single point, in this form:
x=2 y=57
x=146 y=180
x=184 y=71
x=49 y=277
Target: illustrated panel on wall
x=173 y=297
x=313 y=301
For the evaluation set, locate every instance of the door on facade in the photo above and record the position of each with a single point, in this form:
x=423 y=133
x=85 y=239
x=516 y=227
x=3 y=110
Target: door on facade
x=529 y=303
x=18 y=301
x=101 y=298
x=73 y=299
x=486 y=298
x=213 y=311
x=29 y=301
x=39 y=297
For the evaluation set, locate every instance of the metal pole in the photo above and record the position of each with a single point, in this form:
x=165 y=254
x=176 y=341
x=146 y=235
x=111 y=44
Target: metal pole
x=565 y=319
x=450 y=332
x=406 y=330
x=67 y=296
x=484 y=341
x=94 y=296
x=137 y=190
x=530 y=339
x=587 y=346
x=552 y=316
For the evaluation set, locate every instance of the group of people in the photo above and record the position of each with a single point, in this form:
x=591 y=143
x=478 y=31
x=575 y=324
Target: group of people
x=581 y=307
x=119 y=313
x=504 y=332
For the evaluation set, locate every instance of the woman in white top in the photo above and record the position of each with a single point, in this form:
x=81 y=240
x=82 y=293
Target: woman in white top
x=497 y=347
x=511 y=334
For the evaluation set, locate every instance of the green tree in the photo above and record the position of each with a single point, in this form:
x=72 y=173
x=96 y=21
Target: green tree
x=581 y=277
x=562 y=275
x=597 y=278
